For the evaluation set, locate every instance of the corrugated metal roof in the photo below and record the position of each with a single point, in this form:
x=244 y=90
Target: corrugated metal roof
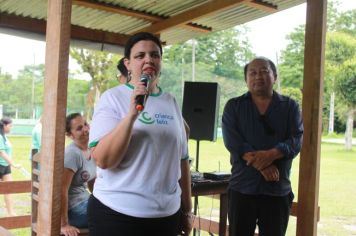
x=124 y=24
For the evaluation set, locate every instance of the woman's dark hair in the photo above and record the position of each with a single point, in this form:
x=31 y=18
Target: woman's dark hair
x=122 y=68
x=271 y=64
x=69 y=119
x=4 y=121
x=139 y=37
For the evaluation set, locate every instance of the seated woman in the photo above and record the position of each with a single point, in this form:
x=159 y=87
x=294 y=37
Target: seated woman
x=78 y=174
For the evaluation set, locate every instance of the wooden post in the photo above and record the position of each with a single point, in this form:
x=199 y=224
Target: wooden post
x=309 y=169
x=55 y=101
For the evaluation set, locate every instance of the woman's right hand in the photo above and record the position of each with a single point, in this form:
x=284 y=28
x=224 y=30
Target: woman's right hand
x=140 y=89
x=17 y=166
x=68 y=230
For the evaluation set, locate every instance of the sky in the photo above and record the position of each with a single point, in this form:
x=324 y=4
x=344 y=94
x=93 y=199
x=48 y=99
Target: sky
x=268 y=34
x=267 y=38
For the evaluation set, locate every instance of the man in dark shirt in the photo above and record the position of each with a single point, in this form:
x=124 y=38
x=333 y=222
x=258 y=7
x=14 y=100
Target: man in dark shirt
x=263 y=132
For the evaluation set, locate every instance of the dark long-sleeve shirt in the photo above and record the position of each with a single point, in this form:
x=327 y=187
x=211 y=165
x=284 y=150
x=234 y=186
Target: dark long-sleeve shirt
x=246 y=130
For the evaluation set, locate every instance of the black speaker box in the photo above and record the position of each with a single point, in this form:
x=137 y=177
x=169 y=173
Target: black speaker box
x=201 y=109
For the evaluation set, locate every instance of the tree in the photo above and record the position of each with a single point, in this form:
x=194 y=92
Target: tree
x=220 y=57
x=294 y=93
x=340 y=47
x=77 y=93
x=291 y=69
x=22 y=97
x=337 y=23
x=100 y=66
x=346 y=23
x=224 y=52
x=292 y=58
x=333 y=15
x=346 y=86
x=34 y=77
x=6 y=87
x=228 y=50
x=337 y=51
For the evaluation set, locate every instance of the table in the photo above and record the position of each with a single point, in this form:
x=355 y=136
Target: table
x=212 y=187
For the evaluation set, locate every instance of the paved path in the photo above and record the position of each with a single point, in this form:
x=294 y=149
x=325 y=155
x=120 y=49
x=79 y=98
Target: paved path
x=337 y=140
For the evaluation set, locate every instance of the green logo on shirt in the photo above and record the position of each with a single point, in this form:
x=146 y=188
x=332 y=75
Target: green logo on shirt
x=146 y=119
x=158 y=118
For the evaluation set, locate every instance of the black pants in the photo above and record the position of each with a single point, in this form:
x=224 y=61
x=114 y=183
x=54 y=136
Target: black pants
x=104 y=221
x=4 y=170
x=271 y=214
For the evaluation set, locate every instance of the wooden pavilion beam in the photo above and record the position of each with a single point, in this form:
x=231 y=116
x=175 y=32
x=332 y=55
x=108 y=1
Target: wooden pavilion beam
x=309 y=169
x=192 y=14
x=77 y=32
x=261 y=5
x=133 y=13
x=55 y=101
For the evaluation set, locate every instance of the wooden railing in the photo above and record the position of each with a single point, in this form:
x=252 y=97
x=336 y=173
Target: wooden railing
x=28 y=186
x=14 y=187
x=36 y=196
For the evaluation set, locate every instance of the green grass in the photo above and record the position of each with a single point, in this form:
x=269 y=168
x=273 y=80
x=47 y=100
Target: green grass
x=336 y=196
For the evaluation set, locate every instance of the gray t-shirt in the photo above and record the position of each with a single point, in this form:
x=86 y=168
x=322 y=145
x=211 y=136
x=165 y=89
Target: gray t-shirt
x=84 y=171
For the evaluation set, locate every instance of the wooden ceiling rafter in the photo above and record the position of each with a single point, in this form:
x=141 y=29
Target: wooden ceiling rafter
x=159 y=23
x=192 y=14
x=77 y=32
x=134 y=13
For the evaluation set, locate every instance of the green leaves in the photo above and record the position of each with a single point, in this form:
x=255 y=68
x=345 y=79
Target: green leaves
x=224 y=52
x=101 y=66
x=346 y=81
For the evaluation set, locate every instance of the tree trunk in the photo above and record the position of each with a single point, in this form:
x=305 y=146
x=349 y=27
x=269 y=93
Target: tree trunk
x=349 y=129
x=331 y=114
x=92 y=97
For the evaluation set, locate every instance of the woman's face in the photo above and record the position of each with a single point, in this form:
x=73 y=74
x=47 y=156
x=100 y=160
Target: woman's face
x=145 y=58
x=79 y=130
x=7 y=128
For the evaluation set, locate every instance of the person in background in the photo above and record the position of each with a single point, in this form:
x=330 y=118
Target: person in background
x=36 y=137
x=263 y=132
x=4 y=232
x=78 y=176
x=6 y=161
x=123 y=76
x=143 y=180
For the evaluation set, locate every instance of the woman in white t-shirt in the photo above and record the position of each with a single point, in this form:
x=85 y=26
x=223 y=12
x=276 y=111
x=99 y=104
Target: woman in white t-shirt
x=143 y=179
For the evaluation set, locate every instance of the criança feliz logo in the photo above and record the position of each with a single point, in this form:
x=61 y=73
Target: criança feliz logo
x=158 y=118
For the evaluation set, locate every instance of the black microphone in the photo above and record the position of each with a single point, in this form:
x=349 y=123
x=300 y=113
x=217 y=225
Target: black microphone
x=141 y=99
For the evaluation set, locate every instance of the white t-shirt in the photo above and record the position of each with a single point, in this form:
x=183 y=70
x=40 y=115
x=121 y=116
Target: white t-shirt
x=145 y=184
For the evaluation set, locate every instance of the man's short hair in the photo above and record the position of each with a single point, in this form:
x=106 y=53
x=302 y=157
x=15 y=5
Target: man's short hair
x=271 y=64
